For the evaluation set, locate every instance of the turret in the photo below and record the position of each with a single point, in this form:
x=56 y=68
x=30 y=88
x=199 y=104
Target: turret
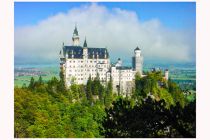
x=61 y=51
x=166 y=74
x=137 y=60
x=85 y=43
x=75 y=37
x=119 y=63
x=85 y=49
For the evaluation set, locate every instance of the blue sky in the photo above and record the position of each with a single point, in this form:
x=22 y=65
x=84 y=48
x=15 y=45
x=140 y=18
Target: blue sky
x=165 y=31
x=177 y=15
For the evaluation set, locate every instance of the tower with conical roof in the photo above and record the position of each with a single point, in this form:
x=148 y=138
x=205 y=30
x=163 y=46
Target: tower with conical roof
x=85 y=50
x=85 y=43
x=138 y=61
x=75 y=37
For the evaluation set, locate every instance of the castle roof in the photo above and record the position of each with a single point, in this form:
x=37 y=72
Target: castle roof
x=123 y=68
x=137 y=48
x=77 y=51
x=85 y=43
x=75 y=31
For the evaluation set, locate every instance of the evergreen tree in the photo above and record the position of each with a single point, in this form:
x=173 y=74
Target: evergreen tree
x=31 y=84
x=62 y=86
x=108 y=96
x=89 y=90
x=40 y=81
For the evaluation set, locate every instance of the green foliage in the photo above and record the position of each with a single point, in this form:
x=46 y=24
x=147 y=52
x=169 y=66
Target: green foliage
x=89 y=90
x=154 y=85
x=43 y=110
x=48 y=110
x=109 y=95
x=31 y=84
x=167 y=97
x=149 y=119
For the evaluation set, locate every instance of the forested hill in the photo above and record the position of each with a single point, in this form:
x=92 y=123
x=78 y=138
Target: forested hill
x=156 y=108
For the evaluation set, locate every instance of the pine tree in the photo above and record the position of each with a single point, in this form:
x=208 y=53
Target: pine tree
x=89 y=89
x=40 y=81
x=108 y=96
x=32 y=83
x=62 y=86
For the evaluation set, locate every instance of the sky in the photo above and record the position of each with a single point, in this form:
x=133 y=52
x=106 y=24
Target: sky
x=164 y=31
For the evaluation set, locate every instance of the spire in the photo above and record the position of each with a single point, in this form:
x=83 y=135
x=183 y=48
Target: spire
x=85 y=43
x=137 y=48
x=75 y=37
x=75 y=30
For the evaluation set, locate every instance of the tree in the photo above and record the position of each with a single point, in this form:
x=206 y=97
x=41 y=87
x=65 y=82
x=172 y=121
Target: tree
x=149 y=119
x=89 y=90
x=108 y=96
x=31 y=84
x=62 y=86
x=40 y=81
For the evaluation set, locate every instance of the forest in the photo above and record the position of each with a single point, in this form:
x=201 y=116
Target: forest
x=156 y=108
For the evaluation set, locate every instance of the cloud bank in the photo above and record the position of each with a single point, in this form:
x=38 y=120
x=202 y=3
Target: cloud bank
x=121 y=31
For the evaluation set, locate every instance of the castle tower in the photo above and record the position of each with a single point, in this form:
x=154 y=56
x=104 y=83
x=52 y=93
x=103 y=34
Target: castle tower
x=137 y=61
x=119 y=62
x=75 y=37
x=166 y=74
x=85 y=50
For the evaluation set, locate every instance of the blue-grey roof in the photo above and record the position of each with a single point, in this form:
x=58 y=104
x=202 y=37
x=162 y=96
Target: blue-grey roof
x=85 y=43
x=123 y=68
x=75 y=31
x=137 y=48
x=78 y=52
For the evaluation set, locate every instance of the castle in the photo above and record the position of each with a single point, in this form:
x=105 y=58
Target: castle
x=78 y=63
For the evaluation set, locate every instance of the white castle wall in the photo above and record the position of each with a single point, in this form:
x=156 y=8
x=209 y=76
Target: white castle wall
x=78 y=70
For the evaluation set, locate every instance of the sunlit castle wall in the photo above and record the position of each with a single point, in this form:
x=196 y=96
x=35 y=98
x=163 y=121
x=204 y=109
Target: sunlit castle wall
x=78 y=63
x=82 y=62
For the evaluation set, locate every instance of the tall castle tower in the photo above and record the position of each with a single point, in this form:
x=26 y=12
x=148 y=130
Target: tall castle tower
x=166 y=74
x=75 y=37
x=138 y=61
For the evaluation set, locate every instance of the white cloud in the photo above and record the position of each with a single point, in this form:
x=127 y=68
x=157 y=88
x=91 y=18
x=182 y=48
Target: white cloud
x=117 y=29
